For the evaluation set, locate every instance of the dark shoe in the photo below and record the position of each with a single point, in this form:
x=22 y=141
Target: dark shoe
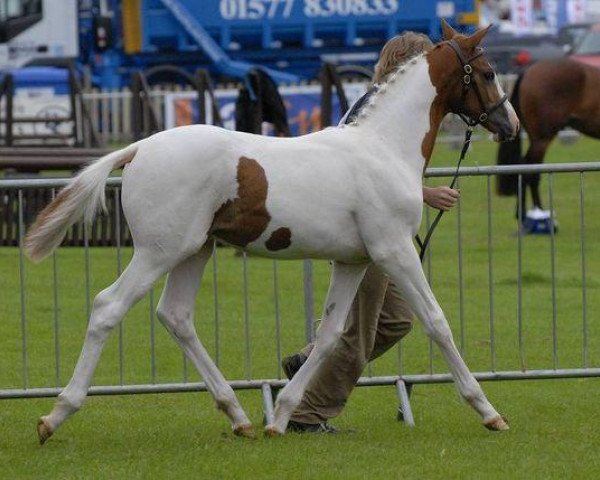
x=292 y=364
x=299 y=427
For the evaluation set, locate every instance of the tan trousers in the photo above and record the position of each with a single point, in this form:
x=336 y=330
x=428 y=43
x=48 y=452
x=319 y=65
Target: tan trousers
x=378 y=318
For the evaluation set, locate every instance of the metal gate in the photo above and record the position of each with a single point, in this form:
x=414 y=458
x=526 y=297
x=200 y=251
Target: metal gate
x=40 y=344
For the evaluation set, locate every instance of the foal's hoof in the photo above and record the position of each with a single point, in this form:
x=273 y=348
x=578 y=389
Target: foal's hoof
x=246 y=430
x=272 y=431
x=44 y=430
x=497 y=424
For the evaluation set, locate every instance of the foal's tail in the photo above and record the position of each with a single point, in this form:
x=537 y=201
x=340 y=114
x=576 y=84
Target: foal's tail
x=82 y=196
x=509 y=153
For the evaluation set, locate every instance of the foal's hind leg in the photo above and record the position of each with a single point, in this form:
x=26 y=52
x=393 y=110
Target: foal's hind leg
x=110 y=306
x=176 y=312
x=402 y=264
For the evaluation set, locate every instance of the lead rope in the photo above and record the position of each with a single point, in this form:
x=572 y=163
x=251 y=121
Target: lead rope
x=423 y=244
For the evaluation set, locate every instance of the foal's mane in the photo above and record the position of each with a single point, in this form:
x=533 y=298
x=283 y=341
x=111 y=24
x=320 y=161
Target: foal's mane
x=380 y=88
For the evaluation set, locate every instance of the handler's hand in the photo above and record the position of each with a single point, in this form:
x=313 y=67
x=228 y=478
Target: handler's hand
x=442 y=198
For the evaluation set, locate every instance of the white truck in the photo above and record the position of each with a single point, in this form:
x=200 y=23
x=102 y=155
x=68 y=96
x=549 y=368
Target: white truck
x=37 y=29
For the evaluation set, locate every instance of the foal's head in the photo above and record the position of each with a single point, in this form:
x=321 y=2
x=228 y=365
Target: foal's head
x=467 y=84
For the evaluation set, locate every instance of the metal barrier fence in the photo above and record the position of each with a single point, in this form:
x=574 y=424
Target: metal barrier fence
x=505 y=339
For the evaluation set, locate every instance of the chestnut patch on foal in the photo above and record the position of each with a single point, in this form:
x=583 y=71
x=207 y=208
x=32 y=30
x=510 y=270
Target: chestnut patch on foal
x=279 y=239
x=244 y=219
x=438 y=71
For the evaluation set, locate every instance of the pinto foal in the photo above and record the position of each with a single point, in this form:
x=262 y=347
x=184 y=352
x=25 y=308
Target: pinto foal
x=352 y=194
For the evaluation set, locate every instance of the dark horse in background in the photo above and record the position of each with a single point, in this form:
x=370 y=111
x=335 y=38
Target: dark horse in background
x=549 y=96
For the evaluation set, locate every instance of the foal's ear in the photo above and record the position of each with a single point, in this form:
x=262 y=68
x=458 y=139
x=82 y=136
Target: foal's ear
x=477 y=37
x=447 y=31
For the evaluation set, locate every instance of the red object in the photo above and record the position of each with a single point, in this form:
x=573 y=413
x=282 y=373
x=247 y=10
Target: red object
x=523 y=58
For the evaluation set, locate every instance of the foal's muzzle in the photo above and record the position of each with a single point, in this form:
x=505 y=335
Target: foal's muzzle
x=504 y=124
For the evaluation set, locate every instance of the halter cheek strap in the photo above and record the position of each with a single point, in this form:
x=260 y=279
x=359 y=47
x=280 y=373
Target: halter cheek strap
x=469 y=81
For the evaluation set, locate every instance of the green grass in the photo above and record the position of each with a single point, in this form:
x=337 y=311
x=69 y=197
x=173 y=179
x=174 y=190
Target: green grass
x=553 y=435
x=553 y=423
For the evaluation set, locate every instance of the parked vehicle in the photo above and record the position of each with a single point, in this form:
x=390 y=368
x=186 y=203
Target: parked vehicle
x=570 y=35
x=587 y=50
x=511 y=53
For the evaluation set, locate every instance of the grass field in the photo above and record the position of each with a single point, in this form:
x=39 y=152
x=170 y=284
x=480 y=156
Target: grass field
x=553 y=423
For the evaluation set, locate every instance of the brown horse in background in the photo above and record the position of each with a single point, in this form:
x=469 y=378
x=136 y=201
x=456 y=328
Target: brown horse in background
x=549 y=96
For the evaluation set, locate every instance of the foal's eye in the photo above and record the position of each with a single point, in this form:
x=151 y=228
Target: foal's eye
x=489 y=76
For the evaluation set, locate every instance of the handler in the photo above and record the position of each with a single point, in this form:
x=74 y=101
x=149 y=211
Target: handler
x=379 y=316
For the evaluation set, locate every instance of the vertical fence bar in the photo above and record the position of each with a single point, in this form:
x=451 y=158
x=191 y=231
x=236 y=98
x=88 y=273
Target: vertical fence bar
x=75 y=114
x=308 y=301
x=553 y=271
x=126 y=109
x=461 y=279
x=216 y=303
x=267 y=397
x=119 y=270
x=184 y=360
x=94 y=110
x=248 y=367
x=8 y=124
x=491 y=277
x=105 y=99
x=277 y=318
x=583 y=271
x=86 y=256
x=429 y=279
x=82 y=104
x=55 y=316
x=115 y=111
x=520 y=212
x=152 y=337
x=55 y=319
x=24 y=374
x=403 y=394
x=157 y=97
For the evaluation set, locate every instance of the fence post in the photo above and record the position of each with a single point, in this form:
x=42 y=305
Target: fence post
x=325 y=79
x=9 y=90
x=125 y=94
x=204 y=86
x=329 y=77
x=77 y=92
x=201 y=87
x=74 y=117
x=309 y=316
x=136 y=106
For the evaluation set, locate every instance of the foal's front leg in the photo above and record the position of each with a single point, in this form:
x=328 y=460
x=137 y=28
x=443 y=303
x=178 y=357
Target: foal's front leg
x=345 y=280
x=402 y=264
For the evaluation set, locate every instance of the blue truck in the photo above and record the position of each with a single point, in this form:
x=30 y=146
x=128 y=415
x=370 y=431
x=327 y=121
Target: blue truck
x=291 y=38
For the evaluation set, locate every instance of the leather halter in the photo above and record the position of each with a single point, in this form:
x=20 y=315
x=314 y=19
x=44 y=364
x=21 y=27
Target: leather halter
x=468 y=81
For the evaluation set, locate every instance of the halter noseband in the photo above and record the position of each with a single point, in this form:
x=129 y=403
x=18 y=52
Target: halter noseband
x=469 y=81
